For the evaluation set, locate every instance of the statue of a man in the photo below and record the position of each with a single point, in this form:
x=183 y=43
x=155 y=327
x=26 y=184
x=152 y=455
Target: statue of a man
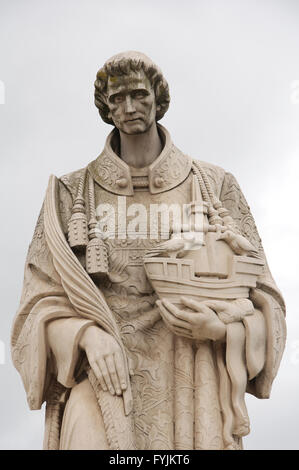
x=119 y=365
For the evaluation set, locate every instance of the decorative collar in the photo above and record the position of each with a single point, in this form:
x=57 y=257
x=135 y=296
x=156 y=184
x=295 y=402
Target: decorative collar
x=169 y=169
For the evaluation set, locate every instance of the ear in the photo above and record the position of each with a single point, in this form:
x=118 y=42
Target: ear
x=158 y=107
x=109 y=115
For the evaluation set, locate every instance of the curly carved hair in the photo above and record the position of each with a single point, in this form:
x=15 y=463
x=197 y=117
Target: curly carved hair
x=123 y=64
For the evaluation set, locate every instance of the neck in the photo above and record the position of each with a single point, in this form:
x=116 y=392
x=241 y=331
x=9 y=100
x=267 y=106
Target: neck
x=140 y=150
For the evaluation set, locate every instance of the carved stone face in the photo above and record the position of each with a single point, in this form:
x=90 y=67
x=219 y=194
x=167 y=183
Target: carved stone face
x=132 y=103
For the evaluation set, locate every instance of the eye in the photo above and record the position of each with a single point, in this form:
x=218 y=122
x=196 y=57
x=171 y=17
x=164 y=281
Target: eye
x=139 y=94
x=117 y=99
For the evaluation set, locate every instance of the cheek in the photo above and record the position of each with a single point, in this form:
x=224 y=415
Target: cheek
x=148 y=105
x=115 y=111
x=114 y=108
x=152 y=109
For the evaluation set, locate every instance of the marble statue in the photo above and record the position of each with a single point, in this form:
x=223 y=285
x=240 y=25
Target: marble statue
x=148 y=309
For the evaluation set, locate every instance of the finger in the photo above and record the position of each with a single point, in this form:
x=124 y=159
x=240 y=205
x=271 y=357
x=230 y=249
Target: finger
x=131 y=366
x=195 y=305
x=172 y=319
x=113 y=374
x=187 y=317
x=182 y=316
x=216 y=304
x=183 y=332
x=98 y=375
x=169 y=319
x=120 y=369
x=172 y=308
x=164 y=313
x=105 y=374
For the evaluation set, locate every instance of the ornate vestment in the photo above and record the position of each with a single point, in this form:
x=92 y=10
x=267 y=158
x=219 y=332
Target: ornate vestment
x=171 y=408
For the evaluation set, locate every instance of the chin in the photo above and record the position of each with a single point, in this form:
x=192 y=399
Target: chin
x=136 y=129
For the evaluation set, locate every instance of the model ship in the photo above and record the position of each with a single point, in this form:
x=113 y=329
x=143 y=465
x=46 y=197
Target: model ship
x=203 y=260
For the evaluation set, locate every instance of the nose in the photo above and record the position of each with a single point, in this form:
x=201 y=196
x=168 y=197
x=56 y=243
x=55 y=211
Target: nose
x=129 y=105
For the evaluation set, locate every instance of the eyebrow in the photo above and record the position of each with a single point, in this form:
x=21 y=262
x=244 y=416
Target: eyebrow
x=121 y=92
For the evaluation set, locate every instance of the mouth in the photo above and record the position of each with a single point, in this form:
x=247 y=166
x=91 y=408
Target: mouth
x=133 y=120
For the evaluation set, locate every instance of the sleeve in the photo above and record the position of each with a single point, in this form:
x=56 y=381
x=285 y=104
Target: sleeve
x=63 y=336
x=266 y=297
x=46 y=329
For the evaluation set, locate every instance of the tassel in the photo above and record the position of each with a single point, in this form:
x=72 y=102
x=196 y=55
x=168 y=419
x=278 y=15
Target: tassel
x=96 y=251
x=214 y=217
x=227 y=219
x=77 y=226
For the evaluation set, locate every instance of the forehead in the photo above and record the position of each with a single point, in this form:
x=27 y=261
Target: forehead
x=127 y=83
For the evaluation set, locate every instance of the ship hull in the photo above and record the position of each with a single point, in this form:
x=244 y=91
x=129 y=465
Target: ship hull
x=173 y=278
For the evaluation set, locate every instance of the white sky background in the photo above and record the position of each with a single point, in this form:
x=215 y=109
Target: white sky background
x=230 y=66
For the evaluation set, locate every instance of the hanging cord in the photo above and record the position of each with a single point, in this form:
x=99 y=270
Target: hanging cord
x=202 y=185
x=92 y=211
x=77 y=226
x=207 y=194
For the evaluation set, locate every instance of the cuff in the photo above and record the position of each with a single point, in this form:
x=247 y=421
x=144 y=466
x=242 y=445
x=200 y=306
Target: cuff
x=63 y=337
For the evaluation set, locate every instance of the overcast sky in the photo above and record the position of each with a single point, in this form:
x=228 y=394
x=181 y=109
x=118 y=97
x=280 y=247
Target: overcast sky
x=233 y=72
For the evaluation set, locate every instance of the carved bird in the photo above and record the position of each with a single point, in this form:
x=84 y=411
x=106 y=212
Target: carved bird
x=172 y=248
x=239 y=244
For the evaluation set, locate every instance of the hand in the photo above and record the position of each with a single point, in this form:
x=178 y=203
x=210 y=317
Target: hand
x=202 y=323
x=105 y=358
x=233 y=311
